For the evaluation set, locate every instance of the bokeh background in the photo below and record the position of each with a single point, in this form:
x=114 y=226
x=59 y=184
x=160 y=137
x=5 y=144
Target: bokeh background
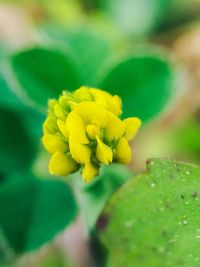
x=170 y=28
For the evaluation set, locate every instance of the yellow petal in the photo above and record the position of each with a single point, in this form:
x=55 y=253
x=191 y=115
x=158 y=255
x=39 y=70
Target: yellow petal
x=62 y=164
x=82 y=94
x=64 y=101
x=59 y=112
x=117 y=110
x=111 y=103
x=63 y=128
x=132 y=126
x=49 y=125
x=99 y=98
x=91 y=111
x=115 y=128
x=76 y=127
x=89 y=172
x=80 y=152
x=54 y=143
x=52 y=103
x=123 y=151
x=103 y=152
x=72 y=104
x=92 y=131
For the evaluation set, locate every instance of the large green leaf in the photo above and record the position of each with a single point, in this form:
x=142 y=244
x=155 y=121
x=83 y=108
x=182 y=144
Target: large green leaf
x=31 y=117
x=91 y=50
x=16 y=147
x=33 y=211
x=144 y=82
x=41 y=73
x=153 y=220
x=7 y=96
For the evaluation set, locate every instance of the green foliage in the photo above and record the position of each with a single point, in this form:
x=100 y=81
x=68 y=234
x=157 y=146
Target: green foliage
x=143 y=80
x=153 y=219
x=94 y=196
x=34 y=211
x=91 y=52
x=187 y=137
x=89 y=49
x=17 y=149
x=144 y=83
x=42 y=73
x=8 y=98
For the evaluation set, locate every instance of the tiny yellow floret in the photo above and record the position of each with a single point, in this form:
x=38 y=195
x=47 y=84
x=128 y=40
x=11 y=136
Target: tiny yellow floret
x=83 y=130
x=103 y=152
x=62 y=164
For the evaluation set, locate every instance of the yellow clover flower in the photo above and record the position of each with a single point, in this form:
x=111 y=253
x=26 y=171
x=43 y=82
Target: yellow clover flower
x=83 y=129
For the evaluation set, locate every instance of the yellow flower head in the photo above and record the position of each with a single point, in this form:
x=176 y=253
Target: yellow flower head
x=83 y=129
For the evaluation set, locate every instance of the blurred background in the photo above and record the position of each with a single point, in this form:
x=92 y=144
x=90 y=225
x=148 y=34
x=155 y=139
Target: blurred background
x=167 y=27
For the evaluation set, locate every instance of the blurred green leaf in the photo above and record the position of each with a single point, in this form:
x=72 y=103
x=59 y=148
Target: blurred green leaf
x=32 y=118
x=16 y=201
x=144 y=82
x=153 y=220
x=41 y=73
x=94 y=196
x=7 y=97
x=33 y=211
x=16 y=147
x=90 y=49
x=181 y=12
x=187 y=137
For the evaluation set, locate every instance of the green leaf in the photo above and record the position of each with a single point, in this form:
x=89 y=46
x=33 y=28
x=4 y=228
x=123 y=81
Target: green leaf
x=7 y=97
x=144 y=82
x=16 y=147
x=33 y=211
x=153 y=220
x=40 y=73
x=31 y=117
x=16 y=200
x=90 y=49
x=182 y=12
x=94 y=196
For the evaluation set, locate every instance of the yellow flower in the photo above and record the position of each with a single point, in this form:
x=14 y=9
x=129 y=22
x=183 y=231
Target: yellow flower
x=83 y=130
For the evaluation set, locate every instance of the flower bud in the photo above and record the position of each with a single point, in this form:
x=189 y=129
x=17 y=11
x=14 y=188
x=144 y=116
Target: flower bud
x=83 y=130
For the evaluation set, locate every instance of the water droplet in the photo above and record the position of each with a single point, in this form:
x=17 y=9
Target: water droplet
x=173 y=240
x=198 y=237
x=129 y=224
x=187 y=172
x=153 y=184
x=185 y=222
x=186 y=203
x=161 y=249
